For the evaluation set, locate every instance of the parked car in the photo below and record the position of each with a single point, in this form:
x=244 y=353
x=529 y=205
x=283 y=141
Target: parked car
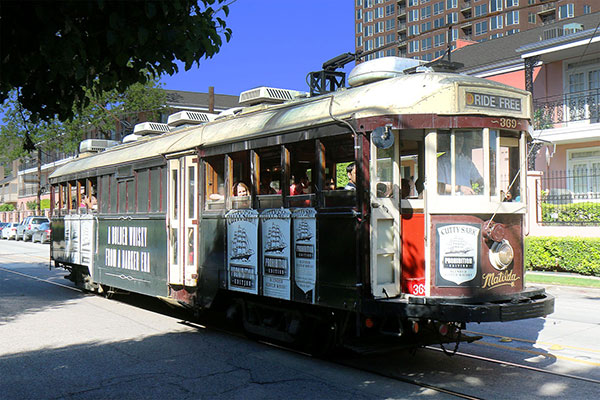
x=28 y=225
x=10 y=231
x=42 y=233
x=2 y=225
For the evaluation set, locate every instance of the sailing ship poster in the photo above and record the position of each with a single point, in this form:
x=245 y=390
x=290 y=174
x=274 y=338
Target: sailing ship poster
x=305 y=260
x=275 y=235
x=242 y=252
x=458 y=255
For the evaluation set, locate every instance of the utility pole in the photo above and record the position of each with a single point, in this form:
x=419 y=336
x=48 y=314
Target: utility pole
x=39 y=181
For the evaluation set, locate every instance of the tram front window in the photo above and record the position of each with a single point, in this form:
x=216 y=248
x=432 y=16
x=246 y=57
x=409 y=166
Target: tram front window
x=460 y=163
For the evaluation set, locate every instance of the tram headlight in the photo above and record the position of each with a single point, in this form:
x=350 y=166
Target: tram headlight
x=501 y=255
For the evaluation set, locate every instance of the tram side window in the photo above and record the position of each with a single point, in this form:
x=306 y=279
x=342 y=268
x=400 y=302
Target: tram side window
x=508 y=165
x=240 y=190
x=104 y=198
x=214 y=190
x=412 y=165
x=302 y=174
x=158 y=188
x=143 y=190
x=269 y=177
x=340 y=171
x=460 y=163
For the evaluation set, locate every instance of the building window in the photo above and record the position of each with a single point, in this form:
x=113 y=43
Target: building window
x=390 y=24
x=565 y=11
x=439 y=53
x=379 y=27
x=496 y=22
x=390 y=38
x=379 y=41
x=413 y=3
x=512 y=18
x=512 y=31
x=390 y=10
x=481 y=28
x=439 y=40
x=512 y=3
x=426 y=44
x=451 y=4
x=438 y=22
x=413 y=15
x=413 y=46
x=438 y=8
x=495 y=5
x=452 y=18
x=359 y=27
x=368 y=3
x=480 y=10
x=496 y=35
x=531 y=18
x=587 y=9
x=426 y=26
x=358 y=3
x=426 y=12
x=428 y=57
x=359 y=41
x=583 y=168
x=368 y=16
x=390 y=53
x=359 y=14
x=413 y=30
x=379 y=12
x=369 y=45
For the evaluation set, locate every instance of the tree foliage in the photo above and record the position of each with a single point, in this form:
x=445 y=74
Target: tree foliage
x=55 y=52
x=101 y=117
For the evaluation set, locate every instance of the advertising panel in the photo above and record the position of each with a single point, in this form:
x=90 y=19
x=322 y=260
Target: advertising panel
x=305 y=253
x=242 y=251
x=275 y=236
x=458 y=254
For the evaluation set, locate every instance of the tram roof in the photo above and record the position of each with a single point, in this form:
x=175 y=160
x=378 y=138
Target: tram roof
x=424 y=93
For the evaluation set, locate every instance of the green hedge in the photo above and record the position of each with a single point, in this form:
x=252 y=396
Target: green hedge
x=580 y=213
x=565 y=254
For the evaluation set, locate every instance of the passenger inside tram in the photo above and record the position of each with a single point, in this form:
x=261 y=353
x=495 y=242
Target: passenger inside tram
x=468 y=180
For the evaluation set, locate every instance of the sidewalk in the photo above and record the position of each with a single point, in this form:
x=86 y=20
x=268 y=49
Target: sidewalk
x=562 y=278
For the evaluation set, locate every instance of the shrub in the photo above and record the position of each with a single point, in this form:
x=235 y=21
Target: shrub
x=580 y=213
x=565 y=254
x=7 y=207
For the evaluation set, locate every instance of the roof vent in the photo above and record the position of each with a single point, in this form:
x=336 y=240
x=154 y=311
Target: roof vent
x=96 y=145
x=188 y=118
x=269 y=95
x=379 y=69
x=150 y=128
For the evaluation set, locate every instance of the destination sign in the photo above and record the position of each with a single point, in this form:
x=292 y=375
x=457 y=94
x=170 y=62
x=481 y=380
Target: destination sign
x=473 y=99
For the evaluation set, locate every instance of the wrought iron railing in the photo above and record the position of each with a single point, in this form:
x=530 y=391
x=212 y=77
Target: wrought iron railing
x=554 y=111
x=570 y=197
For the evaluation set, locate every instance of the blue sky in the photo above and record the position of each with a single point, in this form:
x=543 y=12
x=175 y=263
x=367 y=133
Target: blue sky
x=274 y=43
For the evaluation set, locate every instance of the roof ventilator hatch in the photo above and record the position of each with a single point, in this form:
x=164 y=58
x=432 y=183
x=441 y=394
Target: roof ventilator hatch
x=146 y=129
x=183 y=119
x=268 y=95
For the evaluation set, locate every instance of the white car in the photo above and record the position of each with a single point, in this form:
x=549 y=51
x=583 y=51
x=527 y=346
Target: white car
x=10 y=231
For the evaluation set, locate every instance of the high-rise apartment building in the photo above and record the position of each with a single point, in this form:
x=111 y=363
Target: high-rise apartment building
x=423 y=29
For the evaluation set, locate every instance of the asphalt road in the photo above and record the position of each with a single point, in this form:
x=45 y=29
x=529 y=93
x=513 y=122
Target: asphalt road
x=57 y=342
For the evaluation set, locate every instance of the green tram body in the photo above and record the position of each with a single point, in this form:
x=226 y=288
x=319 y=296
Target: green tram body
x=149 y=235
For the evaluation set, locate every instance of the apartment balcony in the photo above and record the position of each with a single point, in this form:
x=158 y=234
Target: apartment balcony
x=401 y=27
x=401 y=10
x=563 y=110
x=547 y=8
x=466 y=7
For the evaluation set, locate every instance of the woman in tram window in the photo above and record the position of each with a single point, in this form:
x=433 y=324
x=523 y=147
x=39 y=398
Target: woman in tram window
x=241 y=189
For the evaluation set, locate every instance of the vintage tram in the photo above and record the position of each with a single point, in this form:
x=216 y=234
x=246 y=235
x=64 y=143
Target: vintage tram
x=378 y=210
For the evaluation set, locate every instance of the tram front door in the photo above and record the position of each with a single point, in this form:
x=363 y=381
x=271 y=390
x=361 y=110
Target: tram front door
x=385 y=221
x=183 y=221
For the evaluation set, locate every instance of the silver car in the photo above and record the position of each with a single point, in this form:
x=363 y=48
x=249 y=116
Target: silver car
x=29 y=224
x=10 y=231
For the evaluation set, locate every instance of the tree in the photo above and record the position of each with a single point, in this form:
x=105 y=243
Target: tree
x=53 y=53
x=20 y=134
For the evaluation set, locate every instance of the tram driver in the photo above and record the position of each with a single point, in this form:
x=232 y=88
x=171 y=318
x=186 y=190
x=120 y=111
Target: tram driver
x=468 y=179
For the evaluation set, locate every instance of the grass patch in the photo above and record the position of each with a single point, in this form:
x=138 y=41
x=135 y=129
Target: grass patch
x=561 y=280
